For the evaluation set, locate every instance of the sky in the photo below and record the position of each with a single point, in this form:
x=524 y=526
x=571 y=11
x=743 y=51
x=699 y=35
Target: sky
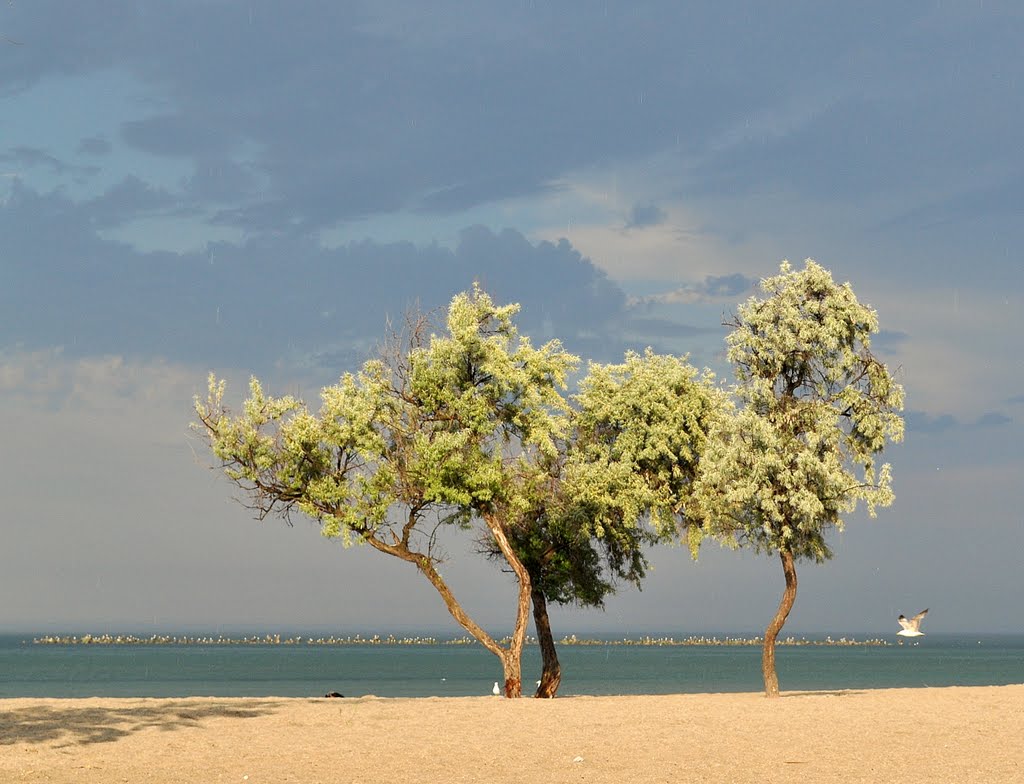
x=261 y=188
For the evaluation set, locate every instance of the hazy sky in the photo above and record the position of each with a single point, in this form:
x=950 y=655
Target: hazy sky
x=257 y=187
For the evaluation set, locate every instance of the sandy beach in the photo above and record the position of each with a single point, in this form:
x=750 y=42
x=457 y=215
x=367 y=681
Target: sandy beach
x=920 y=735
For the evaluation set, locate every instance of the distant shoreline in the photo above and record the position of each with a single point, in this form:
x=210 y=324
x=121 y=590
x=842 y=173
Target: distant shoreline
x=376 y=639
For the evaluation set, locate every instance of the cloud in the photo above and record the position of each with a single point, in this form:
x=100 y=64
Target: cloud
x=930 y=424
x=921 y=422
x=992 y=419
x=221 y=180
x=174 y=135
x=714 y=288
x=465 y=195
x=889 y=340
x=125 y=201
x=29 y=157
x=666 y=328
x=645 y=215
x=347 y=110
x=269 y=299
x=50 y=380
x=94 y=145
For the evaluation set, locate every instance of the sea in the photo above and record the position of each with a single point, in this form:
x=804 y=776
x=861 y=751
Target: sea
x=601 y=667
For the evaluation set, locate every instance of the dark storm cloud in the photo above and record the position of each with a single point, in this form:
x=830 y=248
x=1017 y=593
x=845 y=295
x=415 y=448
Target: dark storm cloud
x=992 y=419
x=885 y=112
x=921 y=422
x=128 y=199
x=94 y=145
x=29 y=157
x=175 y=136
x=717 y=286
x=272 y=299
x=348 y=109
x=220 y=180
x=465 y=195
x=714 y=288
x=889 y=339
x=929 y=424
x=955 y=222
x=664 y=328
x=645 y=215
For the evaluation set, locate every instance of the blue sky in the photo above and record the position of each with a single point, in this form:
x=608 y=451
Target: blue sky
x=257 y=187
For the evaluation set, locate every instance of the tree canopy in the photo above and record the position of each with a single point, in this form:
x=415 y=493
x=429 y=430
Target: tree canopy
x=816 y=408
x=641 y=431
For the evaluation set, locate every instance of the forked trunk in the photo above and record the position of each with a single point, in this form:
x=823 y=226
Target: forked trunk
x=551 y=674
x=511 y=657
x=771 y=678
x=512 y=661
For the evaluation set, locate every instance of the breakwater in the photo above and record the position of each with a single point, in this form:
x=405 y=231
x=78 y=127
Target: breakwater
x=390 y=639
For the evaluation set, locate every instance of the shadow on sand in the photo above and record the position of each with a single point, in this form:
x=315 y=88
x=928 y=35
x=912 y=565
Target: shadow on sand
x=72 y=725
x=843 y=693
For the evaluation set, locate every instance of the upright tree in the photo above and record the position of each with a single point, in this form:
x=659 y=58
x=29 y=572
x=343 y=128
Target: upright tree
x=568 y=564
x=450 y=429
x=816 y=408
x=622 y=481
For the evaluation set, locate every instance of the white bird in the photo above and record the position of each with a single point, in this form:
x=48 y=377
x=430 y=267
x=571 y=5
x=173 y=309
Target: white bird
x=495 y=691
x=912 y=626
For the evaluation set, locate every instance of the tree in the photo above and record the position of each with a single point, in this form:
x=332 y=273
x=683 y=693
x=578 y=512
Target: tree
x=622 y=482
x=566 y=565
x=816 y=409
x=447 y=431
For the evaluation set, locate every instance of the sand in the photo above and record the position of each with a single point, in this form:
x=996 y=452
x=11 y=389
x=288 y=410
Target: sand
x=891 y=735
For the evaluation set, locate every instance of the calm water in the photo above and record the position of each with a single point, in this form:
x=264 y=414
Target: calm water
x=28 y=670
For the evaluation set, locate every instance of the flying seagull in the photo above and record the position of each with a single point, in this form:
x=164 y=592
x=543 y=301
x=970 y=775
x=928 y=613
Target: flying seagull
x=911 y=627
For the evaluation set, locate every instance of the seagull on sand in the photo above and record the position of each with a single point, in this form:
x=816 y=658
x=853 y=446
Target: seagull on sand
x=912 y=626
x=495 y=691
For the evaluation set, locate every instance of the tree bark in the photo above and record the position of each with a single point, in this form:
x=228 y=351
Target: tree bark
x=771 y=678
x=425 y=566
x=512 y=662
x=511 y=657
x=551 y=674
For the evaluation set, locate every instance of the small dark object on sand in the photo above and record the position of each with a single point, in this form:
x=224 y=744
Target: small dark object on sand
x=334 y=694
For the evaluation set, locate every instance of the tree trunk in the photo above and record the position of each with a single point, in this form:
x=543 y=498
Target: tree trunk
x=512 y=662
x=551 y=674
x=771 y=678
x=511 y=657
x=511 y=666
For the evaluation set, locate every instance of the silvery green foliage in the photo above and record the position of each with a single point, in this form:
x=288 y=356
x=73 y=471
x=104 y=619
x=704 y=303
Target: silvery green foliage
x=453 y=425
x=642 y=428
x=636 y=433
x=816 y=408
x=499 y=405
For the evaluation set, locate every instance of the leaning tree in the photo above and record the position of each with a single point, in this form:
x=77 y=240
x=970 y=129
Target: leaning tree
x=450 y=429
x=816 y=408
